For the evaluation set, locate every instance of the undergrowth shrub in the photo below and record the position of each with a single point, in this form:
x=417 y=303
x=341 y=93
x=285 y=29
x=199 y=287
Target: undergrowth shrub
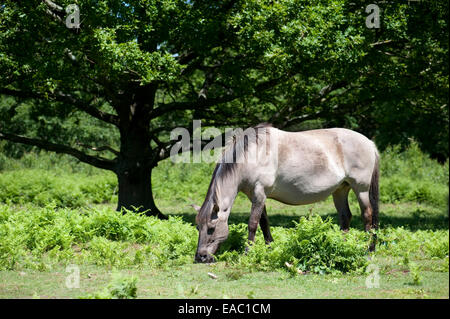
x=120 y=287
x=98 y=236
x=104 y=252
x=320 y=246
x=65 y=190
x=237 y=239
x=313 y=245
x=39 y=238
x=421 y=244
x=410 y=175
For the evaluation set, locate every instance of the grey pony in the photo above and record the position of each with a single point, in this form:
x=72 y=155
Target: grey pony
x=295 y=168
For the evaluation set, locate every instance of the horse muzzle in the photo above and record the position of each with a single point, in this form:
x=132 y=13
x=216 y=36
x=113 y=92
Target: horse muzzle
x=204 y=258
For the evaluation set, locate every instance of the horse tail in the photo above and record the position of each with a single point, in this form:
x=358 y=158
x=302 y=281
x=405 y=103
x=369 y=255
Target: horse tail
x=374 y=190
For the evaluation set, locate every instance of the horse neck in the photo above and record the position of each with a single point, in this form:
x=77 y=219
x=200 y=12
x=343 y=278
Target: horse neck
x=227 y=188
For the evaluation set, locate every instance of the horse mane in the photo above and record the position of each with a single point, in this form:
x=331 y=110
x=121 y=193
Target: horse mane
x=231 y=151
x=225 y=169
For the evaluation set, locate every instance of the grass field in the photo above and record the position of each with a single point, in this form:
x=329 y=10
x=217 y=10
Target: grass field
x=192 y=281
x=55 y=214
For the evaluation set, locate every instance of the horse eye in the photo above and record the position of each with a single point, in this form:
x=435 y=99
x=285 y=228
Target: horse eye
x=210 y=230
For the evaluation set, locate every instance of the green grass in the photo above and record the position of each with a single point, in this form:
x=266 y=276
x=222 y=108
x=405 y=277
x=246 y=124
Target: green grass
x=193 y=281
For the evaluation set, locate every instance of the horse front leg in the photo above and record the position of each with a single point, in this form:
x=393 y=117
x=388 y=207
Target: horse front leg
x=265 y=227
x=258 y=207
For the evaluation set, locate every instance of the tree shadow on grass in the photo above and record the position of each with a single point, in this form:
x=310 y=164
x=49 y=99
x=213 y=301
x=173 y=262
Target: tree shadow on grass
x=411 y=221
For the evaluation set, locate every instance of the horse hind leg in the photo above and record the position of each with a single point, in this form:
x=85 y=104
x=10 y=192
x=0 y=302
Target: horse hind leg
x=367 y=215
x=366 y=209
x=340 y=198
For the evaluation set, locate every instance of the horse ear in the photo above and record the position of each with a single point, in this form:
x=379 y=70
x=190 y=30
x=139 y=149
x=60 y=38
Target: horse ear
x=196 y=207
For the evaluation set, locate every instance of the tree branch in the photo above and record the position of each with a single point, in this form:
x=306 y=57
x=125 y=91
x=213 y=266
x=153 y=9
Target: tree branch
x=100 y=149
x=164 y=148
x=65 y=98
x=381 y=43
x=87 y=108
x=281 y=117
x=53 y=6
x=58 y=14
x=201 y=103
x=58 y=148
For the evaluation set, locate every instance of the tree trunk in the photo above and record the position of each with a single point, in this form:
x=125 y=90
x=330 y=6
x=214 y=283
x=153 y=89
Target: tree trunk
x=135 y=191
x=134 y=171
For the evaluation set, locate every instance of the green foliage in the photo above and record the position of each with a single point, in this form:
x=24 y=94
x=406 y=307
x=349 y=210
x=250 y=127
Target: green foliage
x=55 y=224
x=254 y=60
x=410 y=175
x=237 y=239
x=320 y=246
x=120 y=287
x=123 y=287
x=39 y=238
x=181 y=182
x=53 y=123
x=44 y=160
x=104 y=252
x=312 y=245
x=102 y=237
x=65 y=190
x=415 y=274
x=421 y=244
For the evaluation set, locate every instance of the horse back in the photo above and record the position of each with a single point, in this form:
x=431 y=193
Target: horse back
x=334 y=148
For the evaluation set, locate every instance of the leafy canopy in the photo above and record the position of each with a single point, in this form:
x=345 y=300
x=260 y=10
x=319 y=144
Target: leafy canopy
x=228 y=63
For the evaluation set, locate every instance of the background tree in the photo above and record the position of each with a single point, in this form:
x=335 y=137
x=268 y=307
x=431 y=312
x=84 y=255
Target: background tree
x=135 y=70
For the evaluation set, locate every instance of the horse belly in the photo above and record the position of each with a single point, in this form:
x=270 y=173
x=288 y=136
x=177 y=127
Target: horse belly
x=301 y=191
